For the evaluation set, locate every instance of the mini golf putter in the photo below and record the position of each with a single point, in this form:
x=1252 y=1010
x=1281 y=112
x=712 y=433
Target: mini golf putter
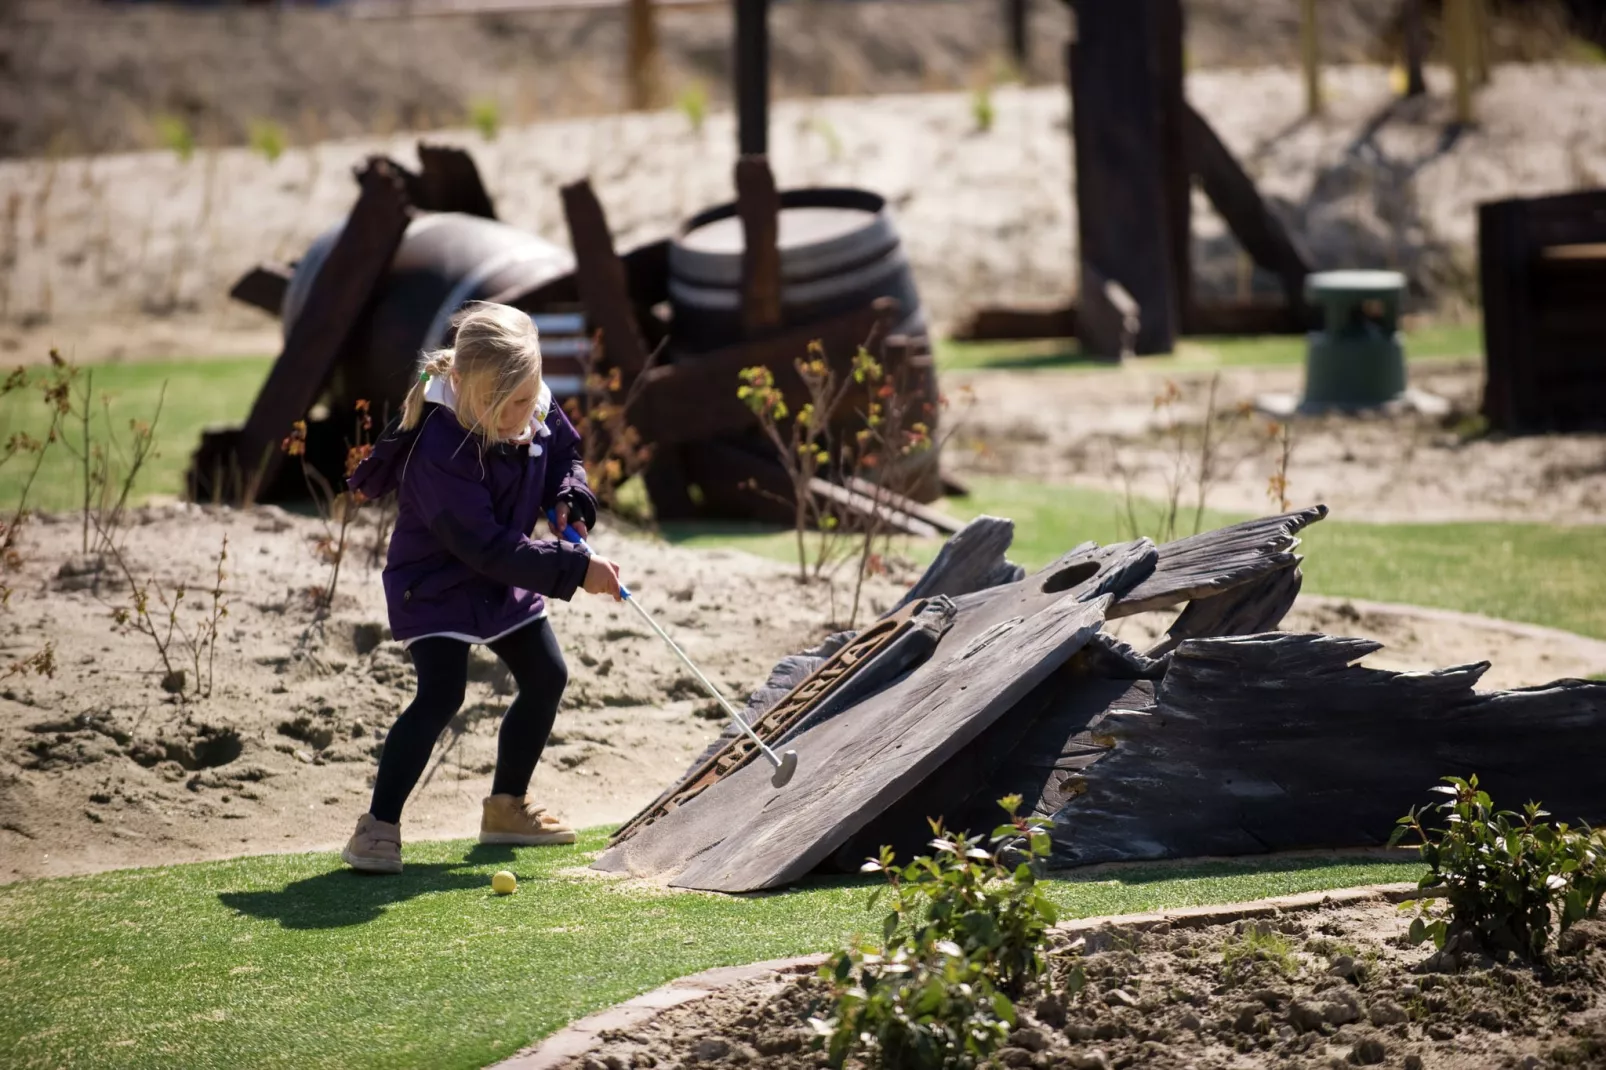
x=785 y=764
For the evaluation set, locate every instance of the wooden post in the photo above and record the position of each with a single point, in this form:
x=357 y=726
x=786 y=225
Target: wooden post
x=1016 y=16
x=1458 y=41
x=1416 y=46
x=1478 y=35
x=1169 y=35
x=643 y=56
x=1122 y=206
x=1310 y=55
x=759 y=206
x=752 y=68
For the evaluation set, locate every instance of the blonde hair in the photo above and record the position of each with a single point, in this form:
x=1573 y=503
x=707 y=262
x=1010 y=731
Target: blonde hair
x=496 y=349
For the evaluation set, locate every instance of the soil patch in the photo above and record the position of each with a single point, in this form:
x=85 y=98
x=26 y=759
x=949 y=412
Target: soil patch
x=1332 y=988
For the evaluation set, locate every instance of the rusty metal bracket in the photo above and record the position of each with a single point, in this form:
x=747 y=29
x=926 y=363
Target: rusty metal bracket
x=870 y=660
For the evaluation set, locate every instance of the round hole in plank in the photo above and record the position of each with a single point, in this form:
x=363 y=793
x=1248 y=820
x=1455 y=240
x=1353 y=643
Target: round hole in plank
x=1072 y=575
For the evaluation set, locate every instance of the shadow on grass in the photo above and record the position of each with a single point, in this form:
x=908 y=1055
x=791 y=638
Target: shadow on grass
x=343 y=897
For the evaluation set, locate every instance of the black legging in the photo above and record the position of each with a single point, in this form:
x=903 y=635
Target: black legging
x=532 y=655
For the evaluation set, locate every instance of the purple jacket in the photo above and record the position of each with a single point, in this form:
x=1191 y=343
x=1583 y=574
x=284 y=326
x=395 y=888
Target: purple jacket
x=461 y=557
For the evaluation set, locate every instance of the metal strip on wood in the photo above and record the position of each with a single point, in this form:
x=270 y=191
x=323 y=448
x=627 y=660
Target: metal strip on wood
x=810 y=694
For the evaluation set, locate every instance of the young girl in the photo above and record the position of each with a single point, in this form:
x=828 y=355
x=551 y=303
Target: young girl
x=481 y=455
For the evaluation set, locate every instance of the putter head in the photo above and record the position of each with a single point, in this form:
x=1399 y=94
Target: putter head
x=784 y=771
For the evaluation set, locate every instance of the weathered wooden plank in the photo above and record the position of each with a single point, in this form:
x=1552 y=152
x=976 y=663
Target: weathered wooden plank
x=336 y=304
x=1116 y=124
x=1254 y=607
x=752 y=76
x=602 y=285
x=741 y=835
x=1278 y=742
x=1016 y=324
x=448 y=181
x=973 y=560
x=1206 y=564
x=263 y=287
x=759 y=206
x=939 y=521
x=1111 y=321
x=1233 y=192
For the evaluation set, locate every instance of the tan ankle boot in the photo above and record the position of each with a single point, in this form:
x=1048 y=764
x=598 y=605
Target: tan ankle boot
x=512 y=820
x=375 y=847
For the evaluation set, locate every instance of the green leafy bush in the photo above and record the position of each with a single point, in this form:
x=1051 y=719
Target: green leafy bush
x=485 y=116
x=964 y=937
x=268 y=138
x=175 y=134
x=1508 y=878
x=693 y=104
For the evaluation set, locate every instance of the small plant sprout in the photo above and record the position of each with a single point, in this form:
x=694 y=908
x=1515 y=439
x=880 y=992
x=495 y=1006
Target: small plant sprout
x=337 y=509
x=693 y=104
x=485 y=116
x=982 y=110
x=154 y=611
x=40 y=663
x=174 y=133
x=1277 y=486
x=268 y=139
x=1508 y=879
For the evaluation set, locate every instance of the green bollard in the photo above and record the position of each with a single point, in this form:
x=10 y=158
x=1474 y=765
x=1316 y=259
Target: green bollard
x=1355 y=361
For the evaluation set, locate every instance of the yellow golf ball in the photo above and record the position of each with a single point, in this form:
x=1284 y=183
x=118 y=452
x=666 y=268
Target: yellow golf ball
x=504 y=882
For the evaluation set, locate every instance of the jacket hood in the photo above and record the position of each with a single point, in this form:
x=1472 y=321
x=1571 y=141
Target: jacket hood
x=381 y=471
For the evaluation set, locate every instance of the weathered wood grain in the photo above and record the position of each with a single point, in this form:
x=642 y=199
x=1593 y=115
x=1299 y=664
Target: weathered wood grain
x=448 y=181
x=1278 y=742
x=742 y=835
x=263 y=287
x=972 y=560
x=1257 y=606
x=1215 y=561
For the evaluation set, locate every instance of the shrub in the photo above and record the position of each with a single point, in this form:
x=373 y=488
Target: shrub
x=963 y=939
x=485 y=116
x=1508 y=878
x=175 y=133
x=268 y=138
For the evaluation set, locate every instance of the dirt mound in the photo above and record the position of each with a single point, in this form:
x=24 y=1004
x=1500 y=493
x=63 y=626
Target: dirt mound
x=1334 y=988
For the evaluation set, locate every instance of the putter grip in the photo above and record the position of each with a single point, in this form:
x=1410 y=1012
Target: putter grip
x=571 y=535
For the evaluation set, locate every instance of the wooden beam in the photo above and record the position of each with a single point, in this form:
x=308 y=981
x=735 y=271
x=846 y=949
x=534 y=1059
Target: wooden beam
x=643 y=62
x=263 y=287
x=1234 y=195
x=1121 y=197
x=602 y=283
x=758 y=204
x=1310 y=56
x=1176 y=175
x=1416 y=48
x=336 y=304
x=1017 y=15
x=1111 y=321
x=752 y=68
x=1018 y=324
x=448 y=181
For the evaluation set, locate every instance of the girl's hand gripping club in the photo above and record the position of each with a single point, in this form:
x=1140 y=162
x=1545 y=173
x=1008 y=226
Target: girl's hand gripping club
x=785 y=764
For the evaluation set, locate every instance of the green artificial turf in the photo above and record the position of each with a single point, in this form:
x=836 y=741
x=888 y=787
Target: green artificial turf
x=1196 y=354
x=198 y=394
x=293 y=961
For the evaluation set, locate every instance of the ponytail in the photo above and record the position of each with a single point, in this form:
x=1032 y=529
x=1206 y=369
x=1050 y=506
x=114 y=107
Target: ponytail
x=431 y=365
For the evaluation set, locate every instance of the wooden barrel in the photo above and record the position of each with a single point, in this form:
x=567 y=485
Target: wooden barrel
x=839 y=251
x=446 y=260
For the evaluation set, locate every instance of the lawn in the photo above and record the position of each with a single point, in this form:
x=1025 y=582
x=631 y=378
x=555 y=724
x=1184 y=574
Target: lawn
x=291 y=960
x=1539 y=573
x=198 y=394
x=1195 y=354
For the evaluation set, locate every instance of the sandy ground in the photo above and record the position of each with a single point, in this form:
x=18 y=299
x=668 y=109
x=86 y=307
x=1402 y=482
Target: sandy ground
x=100 y=768
x=131 y=255
x=1106 y=430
